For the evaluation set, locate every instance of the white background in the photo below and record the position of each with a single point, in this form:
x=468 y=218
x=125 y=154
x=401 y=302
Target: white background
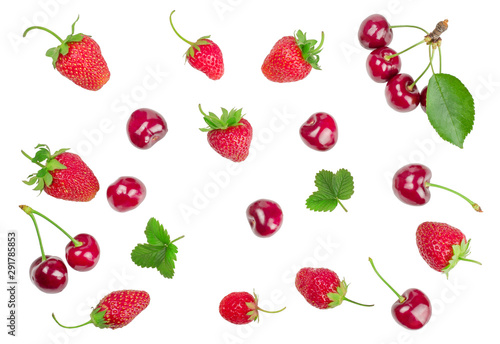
x=220 y=254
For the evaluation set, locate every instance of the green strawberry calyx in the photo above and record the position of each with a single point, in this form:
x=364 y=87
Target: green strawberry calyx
x=63 y=48
x=192 y=45
x=460 y=252
x=339 y=296
x=228 y=119
x=307 y=46
x=253 y=314
x=96 y=317
x=43 y=177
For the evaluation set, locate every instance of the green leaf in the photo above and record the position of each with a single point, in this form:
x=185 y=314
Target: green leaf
x=331 y=189
x=41 y=155
x=54 y=165
x=159 y=252
x=47 y=178
x=450 y=108
x=227 y=119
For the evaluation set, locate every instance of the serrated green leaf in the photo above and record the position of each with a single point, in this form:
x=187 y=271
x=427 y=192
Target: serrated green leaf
x=321 y=202
x=156 y=234
x=148 y=256
x=450 y=108
x=331 y=189
x=324 y=181
x=343 y=184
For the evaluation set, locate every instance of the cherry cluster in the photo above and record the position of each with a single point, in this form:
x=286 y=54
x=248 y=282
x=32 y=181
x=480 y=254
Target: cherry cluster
x=384 y=65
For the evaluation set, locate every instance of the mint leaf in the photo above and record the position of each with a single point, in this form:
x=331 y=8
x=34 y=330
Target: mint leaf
x=159 y=252
x=331 y=189
x=450 y=108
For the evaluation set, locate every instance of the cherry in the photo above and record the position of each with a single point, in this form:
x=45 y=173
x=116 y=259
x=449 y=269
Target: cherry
x=412 y=309
x=126 y=193
x=378 y=68
x=423 y=99
x=374 y=32
x=49 y=274
x=265 y=217
x=84 y=254
x=145 y=127
x=319 y=132
x=411 y=186
x=398 y=94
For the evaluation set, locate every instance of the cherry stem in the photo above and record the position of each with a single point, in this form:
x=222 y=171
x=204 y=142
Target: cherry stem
x=75 y=242
x=44 y=29
x=439 y=49
x=430 y=59
x=421 y=75
x=263 y=310
x=58 y=323
x=28 y=211
x=178 y=34
x=388 y=57
x=177 y=239
x=413 y=26
x=401 y=298
x=473 y=204
x=342 y=205
x=470 y=260
x=31 y=159
x=357 y=303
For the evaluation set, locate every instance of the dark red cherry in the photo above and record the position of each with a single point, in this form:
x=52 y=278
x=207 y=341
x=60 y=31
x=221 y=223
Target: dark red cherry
x=85 y=256
x=398 y=94
x=145 y=127
x=409 y=184
x=319 y=132
x=50 y=275
x=423 y=99
x=414 y=312
x=126 y=193
x=374 y=32
x=265 y=217
x=378 y=68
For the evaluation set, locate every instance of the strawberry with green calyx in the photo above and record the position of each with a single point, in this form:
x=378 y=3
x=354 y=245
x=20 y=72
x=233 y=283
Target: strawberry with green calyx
x=64 y=175
x=230 y=135
x=116 y=309
x=292 y=58
x=203 y=55
x=78 y=58
x=442 y=246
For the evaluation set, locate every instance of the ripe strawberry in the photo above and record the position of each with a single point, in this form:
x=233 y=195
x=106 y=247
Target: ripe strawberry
x=230 y=135
x=64 y=175
x=241 y=308
x=322 y=288
x=442 y=246
x=292 y=58
x=203 y=55
x=79 y=59
x=116 y=309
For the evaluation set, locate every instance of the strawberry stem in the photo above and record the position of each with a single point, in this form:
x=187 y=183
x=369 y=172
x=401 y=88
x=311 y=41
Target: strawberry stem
x=473 y=204
x=401 y=298
x=263 y=310
x=357 y=303
x=44 y=29
x=28 y=211
x=178 y=34
x=388 y=57
x=31 y=159
x=470 y=260
x=177 y=239
x=75 y=242
x=342 y=205
x=413 y=26
x=58 y=323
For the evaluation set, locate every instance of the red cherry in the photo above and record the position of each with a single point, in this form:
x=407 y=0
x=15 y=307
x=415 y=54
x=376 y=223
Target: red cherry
x=146 y=127
x=414 y=312
x=265 y=217
x=378 y=68
x=374 y=32
x=126 y=193
x=398 y=94
x=320 y=131
x=423 y=99
x=409 y=184
x=85 y=256
x=49 y=275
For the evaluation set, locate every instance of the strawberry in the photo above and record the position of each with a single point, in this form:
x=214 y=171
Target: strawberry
x=203 y=55
x=241 y=308
x=322 y=288
x=116 y=310
x=230 y=135
x=64 y=175
x=442 y=246
x=292 y=58
x=78 y=58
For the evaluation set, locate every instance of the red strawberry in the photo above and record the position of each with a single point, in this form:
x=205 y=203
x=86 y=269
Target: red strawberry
x=64 y=175
x=241 y=308
x=322 y=288
x=116 y=309
x=79 y=59
x=442 y=246
x=203 y=55
x=292 y=58
x=230 y=135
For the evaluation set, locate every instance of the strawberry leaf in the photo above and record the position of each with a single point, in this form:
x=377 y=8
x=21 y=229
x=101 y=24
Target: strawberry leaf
x=156 y=234
x=343 y=184
x=331 y=189
x=227 y=119
x=308 y=49
x=450 y=108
